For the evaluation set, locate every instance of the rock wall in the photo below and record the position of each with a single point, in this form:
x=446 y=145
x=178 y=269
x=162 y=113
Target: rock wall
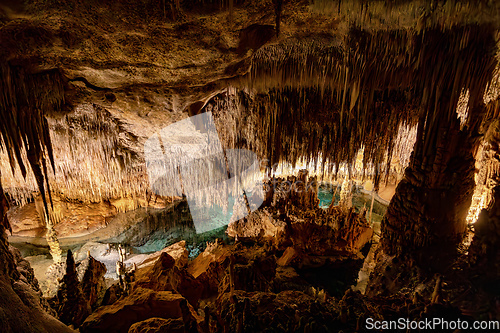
x=21 y=307
x=161 y=292
x=428 y=211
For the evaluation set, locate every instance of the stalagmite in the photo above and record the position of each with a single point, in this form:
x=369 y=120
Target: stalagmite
x=436 y=294
x=427 y=214
x=485 y=179
x=345 y=194
x=55 y=248
x=371 y=207
x=484 y=248
x=72 y=306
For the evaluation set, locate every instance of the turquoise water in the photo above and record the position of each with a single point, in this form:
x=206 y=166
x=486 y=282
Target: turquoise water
x=213 y=219
x=217 y=219
x=325 y=196
x=359 y=199
x=195 y=243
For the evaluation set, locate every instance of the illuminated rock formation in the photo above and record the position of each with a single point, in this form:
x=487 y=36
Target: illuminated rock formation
x=140 y=305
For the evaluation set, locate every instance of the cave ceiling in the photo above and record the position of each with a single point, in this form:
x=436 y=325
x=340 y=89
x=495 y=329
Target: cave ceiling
x=109 y=75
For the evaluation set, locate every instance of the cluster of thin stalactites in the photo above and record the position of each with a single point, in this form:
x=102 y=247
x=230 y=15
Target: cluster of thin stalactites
x=318 y=100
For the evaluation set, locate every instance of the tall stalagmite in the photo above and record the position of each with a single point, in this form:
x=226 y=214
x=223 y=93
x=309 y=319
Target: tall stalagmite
x=427 y=214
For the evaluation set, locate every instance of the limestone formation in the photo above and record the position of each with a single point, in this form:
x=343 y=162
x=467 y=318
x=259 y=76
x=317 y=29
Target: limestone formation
x=55 y=248
x=287 y=311
x=177 y=251
x=72 y=307
x=158 y=325
x=484 y=248
x=91 y=276
x=295 y=219
x=140 y=305
x=258 y=225
x=165 y=275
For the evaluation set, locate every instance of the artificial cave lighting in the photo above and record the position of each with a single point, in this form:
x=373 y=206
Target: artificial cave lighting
x=479 y=202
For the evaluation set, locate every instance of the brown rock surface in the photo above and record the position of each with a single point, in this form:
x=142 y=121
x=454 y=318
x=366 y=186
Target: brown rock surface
x=25 y=221
x=73 y=219
x=288 y=311
x=287 y=278
x=158 y=325
x=133 y=228
x=214 y=252
x=177 y=251
x=112 y=294
x=294 y=220
x=249 y=269
x=210 y=267
x=91 y=276
x=27 y=277
x=165 y=275
x=21 y=308
x=257 y=225
x=140 y=305
x=339 y=230
x=288 y=256
x=386 y=74
x=21 y=311
x=53 y=277
x=70 y=218
x=222 y=268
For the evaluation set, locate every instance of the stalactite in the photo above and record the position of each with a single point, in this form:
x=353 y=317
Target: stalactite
x=484 y=249
x=23 y=103
x=24 y=100
x=278 y=7
x=94 y=163
x=4 y=207
x=292 y=127
x=421 y=13
x=329 y=99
